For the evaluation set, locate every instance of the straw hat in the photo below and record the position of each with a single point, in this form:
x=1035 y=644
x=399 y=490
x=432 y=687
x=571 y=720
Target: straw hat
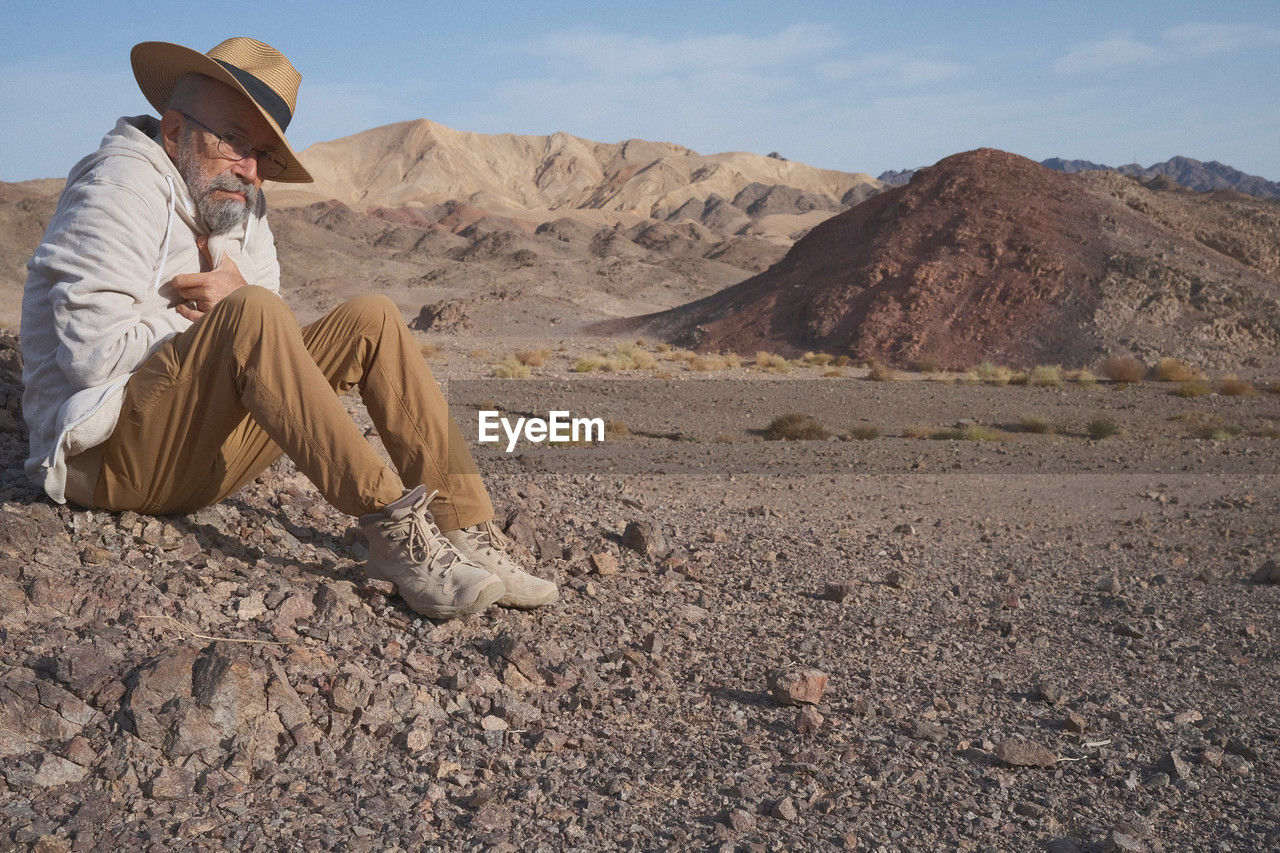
x=256 y=70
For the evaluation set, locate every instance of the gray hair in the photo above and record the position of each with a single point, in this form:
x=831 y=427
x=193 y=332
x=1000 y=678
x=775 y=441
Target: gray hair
x=188 y=90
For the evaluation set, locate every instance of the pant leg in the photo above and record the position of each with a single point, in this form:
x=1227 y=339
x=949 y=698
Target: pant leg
x=215 y=405
x=364 y=343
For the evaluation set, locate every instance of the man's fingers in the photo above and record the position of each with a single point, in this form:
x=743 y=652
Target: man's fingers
x=187 y=311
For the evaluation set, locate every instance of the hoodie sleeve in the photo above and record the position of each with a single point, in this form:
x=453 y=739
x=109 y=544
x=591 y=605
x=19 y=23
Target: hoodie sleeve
x=100 y=256
x=262 y=248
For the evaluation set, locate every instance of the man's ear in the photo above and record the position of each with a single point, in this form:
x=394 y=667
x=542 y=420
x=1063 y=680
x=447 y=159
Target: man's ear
x=170 y=128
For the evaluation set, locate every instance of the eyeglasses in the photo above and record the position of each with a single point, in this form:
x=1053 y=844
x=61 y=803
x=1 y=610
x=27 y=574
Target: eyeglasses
x=234 y=146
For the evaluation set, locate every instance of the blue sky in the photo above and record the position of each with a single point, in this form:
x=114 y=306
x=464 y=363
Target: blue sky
x=845 y=85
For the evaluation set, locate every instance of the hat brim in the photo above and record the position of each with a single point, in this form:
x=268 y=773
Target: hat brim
x=159 y=65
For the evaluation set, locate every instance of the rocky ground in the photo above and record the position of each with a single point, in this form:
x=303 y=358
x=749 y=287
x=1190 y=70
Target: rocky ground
x=1038 y=642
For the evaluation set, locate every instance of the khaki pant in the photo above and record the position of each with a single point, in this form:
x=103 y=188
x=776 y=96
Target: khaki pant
x=214 y=406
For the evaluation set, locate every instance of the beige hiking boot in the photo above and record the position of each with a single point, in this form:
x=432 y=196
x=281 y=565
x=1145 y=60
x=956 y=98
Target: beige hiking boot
x=407 y=549
x=488 y=546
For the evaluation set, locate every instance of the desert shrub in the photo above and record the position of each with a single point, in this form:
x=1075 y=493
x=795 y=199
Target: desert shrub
x=617 y=429
x=1101 y=427
x=707 y=364
x=1192 y=388
x=533 y=357
x=865 y=432
x=992 y=374
x=588 y=364
x=1046 y=376
x=724 y=438
x=972 y=432
x=926 y=364
x=663 y=346
x=642 y=343
x=510 y=368
x=878 y=372
x=1124 y=369
x=1019 y=377
x=1037 y=424
x=1214 y=431
x=732 y=359
x=1175 y=370
x=429 y=350
x=478 y=353
x=842 y=361
x=1084 y=377
x=1274 y=387
x=771 y=362
x=795 y=426
x=1233 y=386
x=817 y=359
x=832 y=372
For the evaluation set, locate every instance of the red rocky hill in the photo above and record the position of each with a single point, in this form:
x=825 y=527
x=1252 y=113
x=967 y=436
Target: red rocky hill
x=988 y=255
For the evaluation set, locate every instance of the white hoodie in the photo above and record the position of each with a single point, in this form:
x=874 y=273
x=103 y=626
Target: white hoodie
x=98 y=299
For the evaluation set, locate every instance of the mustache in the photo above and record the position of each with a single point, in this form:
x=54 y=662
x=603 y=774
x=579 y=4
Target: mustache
x=231 y=183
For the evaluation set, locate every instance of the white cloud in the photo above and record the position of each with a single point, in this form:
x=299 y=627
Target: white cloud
x=892 y=69
x=1185 y=41
x=625 y=55
x=1110 y=52
x=1209 y=39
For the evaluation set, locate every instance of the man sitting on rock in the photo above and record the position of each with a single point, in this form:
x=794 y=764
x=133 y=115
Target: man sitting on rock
x=163 y=371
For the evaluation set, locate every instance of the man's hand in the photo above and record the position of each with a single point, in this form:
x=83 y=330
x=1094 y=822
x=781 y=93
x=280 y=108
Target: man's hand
x=200 y=291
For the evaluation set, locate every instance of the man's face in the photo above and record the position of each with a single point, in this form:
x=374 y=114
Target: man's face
x=225 y=191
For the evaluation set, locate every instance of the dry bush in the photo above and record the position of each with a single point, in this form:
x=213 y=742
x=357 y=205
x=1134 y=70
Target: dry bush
x=478 y=353
x=1019 y=377
x=588 y=364
x=642 y=343
x=992 y=374
x=972 y=432
x=771 y=362
x=510 y=368
x=926 y=364
x=817 y=359
x=732 y=359
x=533 y=357
x=1102 y=427
x=662 y=374
x=1037 y=424
x=1124 y=369
x=1274 y=387
x=796 y=426
x=707 y=364
x=724 y=438
x=681 y=355
x=1046 y=376
x=842 y=361
x=1233 y=386
x=919 y=431
x=1083 y=377
x=429 y=350
x=1214 y=432
x=866 y=432
x=832 y=372
x=878 y=372
x=617 y=429
x=1175 y=370
x=1193 y=388
x=663 y=346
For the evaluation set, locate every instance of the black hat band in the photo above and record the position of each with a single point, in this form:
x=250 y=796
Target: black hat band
x=266 y=97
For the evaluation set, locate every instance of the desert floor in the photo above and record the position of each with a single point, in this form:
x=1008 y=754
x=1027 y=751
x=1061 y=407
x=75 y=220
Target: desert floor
x=1042 y=641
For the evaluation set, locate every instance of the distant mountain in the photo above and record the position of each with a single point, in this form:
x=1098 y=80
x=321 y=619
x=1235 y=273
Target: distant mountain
x=541 y=178
x=1192 y=174
x=988 y=255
